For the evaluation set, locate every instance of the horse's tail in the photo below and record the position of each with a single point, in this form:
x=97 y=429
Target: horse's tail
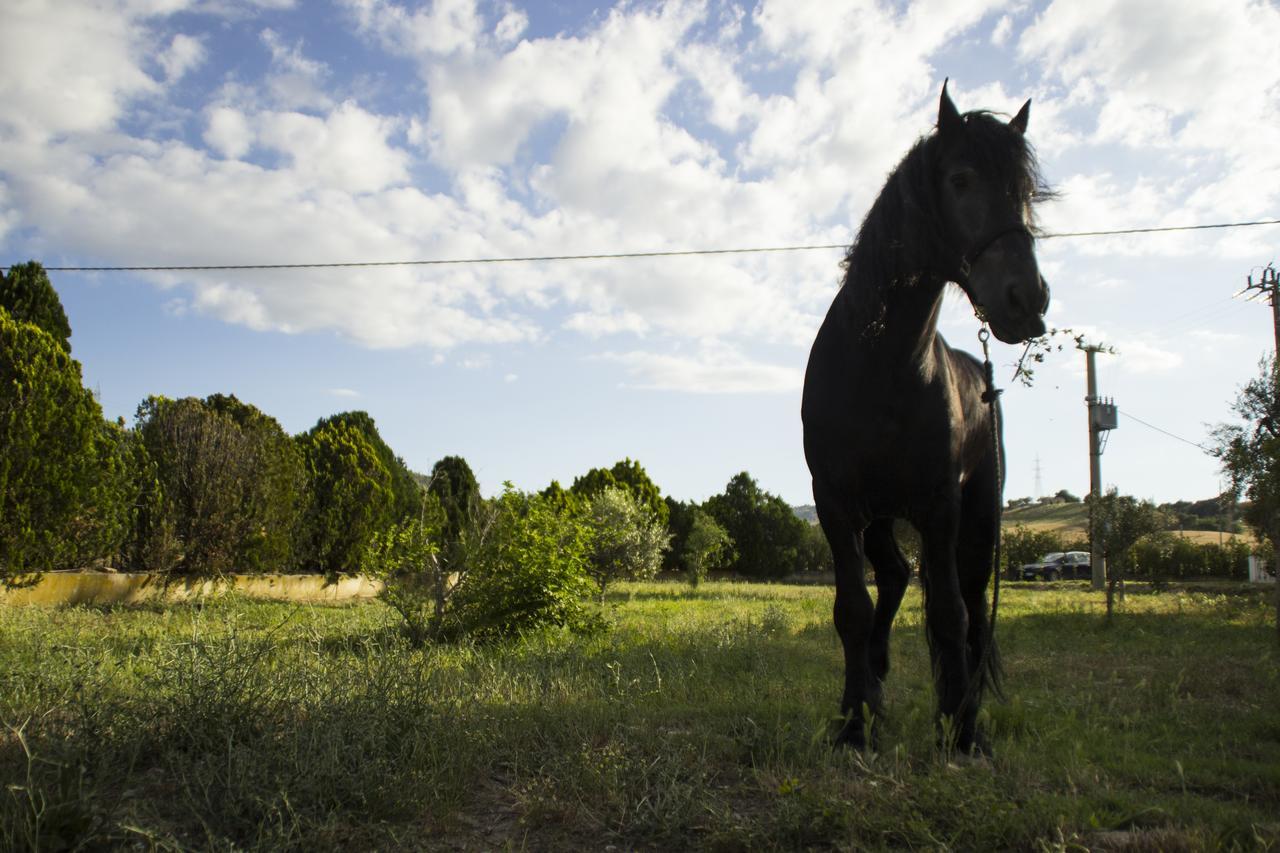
x=988 y=670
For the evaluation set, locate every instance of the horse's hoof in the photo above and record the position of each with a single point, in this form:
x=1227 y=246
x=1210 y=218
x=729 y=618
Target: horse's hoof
x=849 y=734
x=980 y=746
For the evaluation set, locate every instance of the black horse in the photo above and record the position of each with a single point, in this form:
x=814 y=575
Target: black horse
x=895 y=424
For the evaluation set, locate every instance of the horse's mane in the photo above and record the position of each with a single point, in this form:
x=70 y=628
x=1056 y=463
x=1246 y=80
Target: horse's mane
x=904 y=236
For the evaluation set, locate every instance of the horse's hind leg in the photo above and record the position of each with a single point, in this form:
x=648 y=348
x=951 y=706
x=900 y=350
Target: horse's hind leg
x=947 y=626
x=853 y=614
x=892 y=576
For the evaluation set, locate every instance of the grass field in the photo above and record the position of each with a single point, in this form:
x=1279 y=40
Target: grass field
x=700 y=721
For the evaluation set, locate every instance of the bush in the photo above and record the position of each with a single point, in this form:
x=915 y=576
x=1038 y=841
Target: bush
x=519 y=565
x=1165 y=556
x=221 y=485
x=406 y=558
x=627 y=539
x=64 y=481
x=1022 y=545
x=706 y=546
x=526 y=568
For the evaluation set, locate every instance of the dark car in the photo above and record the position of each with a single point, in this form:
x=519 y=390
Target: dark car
x=1058 y=565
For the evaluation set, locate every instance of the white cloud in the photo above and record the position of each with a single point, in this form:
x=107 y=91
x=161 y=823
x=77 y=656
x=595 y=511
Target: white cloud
x=1003 y=28
x=443 y=27
x=1144 y=357
x=1179 y=83
x=295 y=81
x=344 y=392
x=228 y=132
x=714 y=369
x=347 y=150
x=649 y=127
x=598 y=325
x=183 y=54
x=69 y=68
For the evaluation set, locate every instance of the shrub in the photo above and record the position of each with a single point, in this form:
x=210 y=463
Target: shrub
x=706 y=546
x=1165 y=556
x=519 y=566
x=627 y=539
x=525 y=568
x=406 y=558
x=1022 y=545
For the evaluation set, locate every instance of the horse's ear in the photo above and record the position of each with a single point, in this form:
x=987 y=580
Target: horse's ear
x=949 y=120
x=1019 y=122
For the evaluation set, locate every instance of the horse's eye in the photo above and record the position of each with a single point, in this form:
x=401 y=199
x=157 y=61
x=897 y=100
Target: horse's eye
x=961 y=181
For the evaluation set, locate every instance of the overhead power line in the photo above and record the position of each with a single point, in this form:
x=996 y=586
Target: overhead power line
x=1194 y=444
x=601 y=256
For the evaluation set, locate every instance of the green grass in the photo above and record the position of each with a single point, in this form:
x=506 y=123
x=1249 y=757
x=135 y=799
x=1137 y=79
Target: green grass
x=700 y=721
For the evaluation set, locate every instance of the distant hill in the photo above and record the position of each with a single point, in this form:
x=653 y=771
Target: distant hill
x=806 y=512
x=1070 y=520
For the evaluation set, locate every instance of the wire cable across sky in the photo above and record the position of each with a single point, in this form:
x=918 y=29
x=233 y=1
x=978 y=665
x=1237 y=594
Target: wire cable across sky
x=604 y=256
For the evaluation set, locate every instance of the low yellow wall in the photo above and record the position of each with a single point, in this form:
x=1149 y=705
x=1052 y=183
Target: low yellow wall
x=116 y=588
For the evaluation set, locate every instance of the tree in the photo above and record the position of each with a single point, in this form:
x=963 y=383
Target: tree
x=63 y=476
x=406 y=494
x=627 y=474
x=1120 y=521
x=1066 y=497
x=560 y=499
x=679 y=523
x=350 y=496
x=626 y=541
x=815 y=551
x=454 y=485
x=1249 y=453
x=705 y=546
x=28 y=295
x=765 y=532
x=222 y=487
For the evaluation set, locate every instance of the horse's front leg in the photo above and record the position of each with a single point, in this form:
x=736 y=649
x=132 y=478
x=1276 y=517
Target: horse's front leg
x=947 y=627
x=853 y=614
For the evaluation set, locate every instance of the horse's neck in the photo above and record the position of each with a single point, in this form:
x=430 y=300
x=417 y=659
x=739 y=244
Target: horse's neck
x=900 y=321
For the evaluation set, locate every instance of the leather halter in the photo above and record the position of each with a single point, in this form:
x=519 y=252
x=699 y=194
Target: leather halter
x=980 y=247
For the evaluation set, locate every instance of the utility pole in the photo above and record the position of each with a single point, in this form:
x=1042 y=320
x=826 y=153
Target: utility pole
x=1102 y=417
x=1269 y=284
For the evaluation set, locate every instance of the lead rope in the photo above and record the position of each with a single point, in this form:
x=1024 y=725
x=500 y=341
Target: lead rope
x=990 y=396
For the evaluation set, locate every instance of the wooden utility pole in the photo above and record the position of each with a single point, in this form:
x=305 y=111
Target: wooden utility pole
x=1102 y=417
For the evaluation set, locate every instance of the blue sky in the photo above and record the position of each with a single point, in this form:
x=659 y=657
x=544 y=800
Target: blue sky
x=173 y=132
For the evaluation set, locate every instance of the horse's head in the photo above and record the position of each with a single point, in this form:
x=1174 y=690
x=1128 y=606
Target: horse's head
x=987 y=180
